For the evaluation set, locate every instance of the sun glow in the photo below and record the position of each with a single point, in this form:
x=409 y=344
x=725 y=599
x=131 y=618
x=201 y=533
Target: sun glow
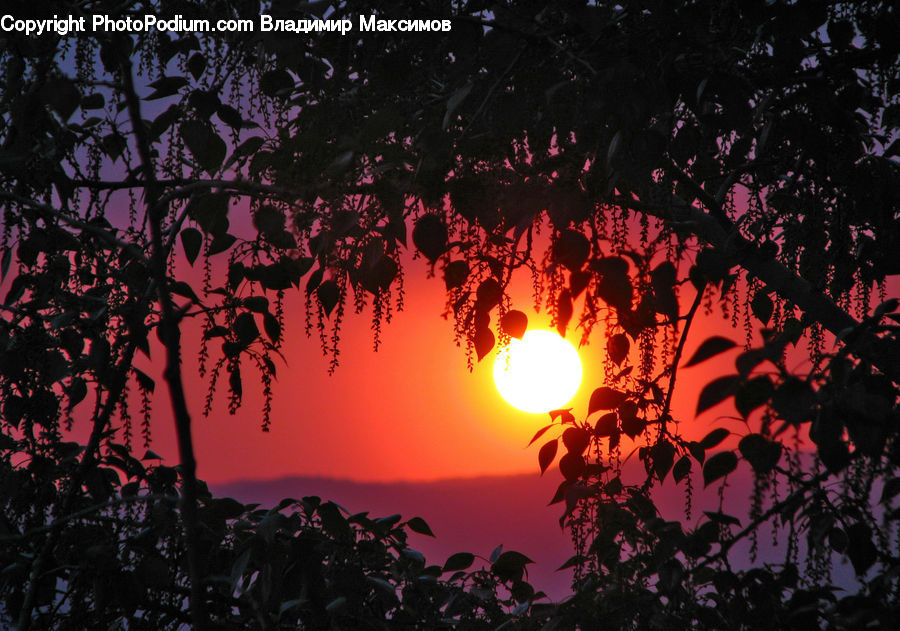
x=539 y=373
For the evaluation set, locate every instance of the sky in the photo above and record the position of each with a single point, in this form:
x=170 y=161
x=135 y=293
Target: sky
x=411 y=411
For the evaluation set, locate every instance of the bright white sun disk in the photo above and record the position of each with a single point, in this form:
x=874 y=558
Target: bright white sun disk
x=539 y=373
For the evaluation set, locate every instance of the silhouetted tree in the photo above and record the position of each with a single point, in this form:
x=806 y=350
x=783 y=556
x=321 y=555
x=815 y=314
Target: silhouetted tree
x=737 y=154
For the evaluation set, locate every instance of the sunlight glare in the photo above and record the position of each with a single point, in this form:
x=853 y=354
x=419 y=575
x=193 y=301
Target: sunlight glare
x=539 y=373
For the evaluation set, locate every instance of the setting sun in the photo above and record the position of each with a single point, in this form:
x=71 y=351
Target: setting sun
x=539 y=373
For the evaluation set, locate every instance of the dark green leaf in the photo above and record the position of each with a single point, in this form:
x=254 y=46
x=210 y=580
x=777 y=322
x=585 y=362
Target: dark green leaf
x=247 y=148
x=794 y=400
x=336 y=604
x=454 y=102
x=164 y=121
x=572 y=466
x=76 y=391
x=94 y=101
x=722 y=518
x=5 y=262
x=153 y=572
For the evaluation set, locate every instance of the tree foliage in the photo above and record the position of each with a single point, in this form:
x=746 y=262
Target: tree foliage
x=636 y=161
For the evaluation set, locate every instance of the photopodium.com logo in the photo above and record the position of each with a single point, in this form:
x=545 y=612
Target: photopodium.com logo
x=264 y=23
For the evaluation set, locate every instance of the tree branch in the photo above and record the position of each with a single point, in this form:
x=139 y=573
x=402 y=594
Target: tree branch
x=170 y=334
x=678 y=351
x=724 y=236
x=103 y=235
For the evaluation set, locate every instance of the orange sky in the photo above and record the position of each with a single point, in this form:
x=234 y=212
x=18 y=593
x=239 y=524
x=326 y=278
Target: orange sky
x=411 y=411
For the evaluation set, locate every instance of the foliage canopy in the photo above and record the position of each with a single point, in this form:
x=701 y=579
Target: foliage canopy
x=741 y=155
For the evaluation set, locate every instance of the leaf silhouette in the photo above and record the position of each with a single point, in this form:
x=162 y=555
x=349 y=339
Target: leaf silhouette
x=563 y=311
x=547 y=454
x=419 y=525
x=514 y=323
x=717 y=391
x=607 y=425
x=605 y=398
x=682 y=468
x=710 y=348
x=719 y=466
x=191 y=240
x=662 y=455
x=762 y=306
x=458 y=561
x=617 y=347
x=752 y=394
x=762 y=453
x=455 y=274
x=715 y=437
x=329 y=294
x=430 y=236
x=572 y=465
x=484 y=342
x=538 y=434
x=576 y=440
x=488 y=294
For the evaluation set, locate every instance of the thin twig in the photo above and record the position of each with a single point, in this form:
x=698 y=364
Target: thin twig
x=678 y=351
x=169 y=327
x=97 y=231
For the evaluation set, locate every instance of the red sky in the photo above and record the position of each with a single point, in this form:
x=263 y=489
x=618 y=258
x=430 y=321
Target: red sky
x=411 y=411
